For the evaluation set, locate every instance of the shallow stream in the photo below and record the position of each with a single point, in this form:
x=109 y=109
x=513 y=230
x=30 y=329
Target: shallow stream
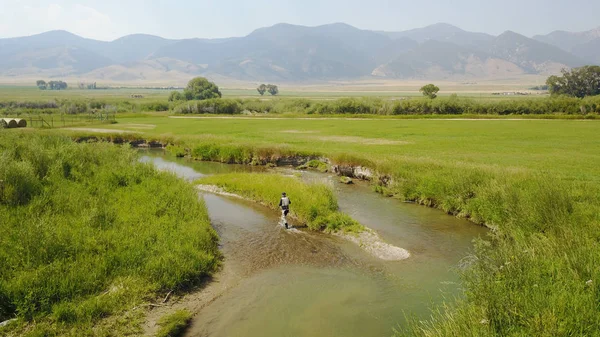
x=300 y=283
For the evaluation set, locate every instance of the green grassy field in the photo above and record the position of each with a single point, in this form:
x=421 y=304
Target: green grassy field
x=533 y=182
x=564 y=148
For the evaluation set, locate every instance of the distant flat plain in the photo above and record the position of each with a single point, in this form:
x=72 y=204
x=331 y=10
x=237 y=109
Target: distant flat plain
x=20 y=89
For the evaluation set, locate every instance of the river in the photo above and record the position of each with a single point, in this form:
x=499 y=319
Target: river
x=301 y=283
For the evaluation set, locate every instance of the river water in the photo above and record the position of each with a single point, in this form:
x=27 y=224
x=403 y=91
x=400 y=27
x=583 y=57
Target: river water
x=300 y=283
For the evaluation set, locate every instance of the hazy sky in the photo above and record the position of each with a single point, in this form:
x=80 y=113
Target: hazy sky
x=109 y=19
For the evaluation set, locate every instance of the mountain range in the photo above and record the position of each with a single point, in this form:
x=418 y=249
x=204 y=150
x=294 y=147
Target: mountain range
x=290 y=53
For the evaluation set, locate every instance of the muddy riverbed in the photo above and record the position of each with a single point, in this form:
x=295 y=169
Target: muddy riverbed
x=298 y=283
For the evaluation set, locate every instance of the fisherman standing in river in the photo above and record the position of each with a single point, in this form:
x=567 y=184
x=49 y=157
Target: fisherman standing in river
x=284 y=203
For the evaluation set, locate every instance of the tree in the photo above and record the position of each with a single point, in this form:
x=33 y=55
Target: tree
x=262 y=89
x=273 y=89
x=430 y=91
x=41 y=84
x=176 y=96
x=578 y=82
x=200 y=88
x=57 y=85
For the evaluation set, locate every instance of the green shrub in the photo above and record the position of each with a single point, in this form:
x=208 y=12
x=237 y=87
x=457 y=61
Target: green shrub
x=75 y=107
x=209 y=106
x=177 y=150
x=256 y=105
x=155 y=106
x=97 y=104
x=176 y=96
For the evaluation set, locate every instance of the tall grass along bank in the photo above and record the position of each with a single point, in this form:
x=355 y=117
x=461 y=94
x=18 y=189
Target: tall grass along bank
x=89 y=234
x=312 y=204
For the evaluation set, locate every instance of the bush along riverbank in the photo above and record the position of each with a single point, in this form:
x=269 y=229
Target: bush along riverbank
x=90 y=236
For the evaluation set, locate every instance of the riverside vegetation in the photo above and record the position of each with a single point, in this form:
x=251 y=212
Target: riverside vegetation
x=534 y=183
x=453 y=105
x=89 y=235
x=313 y=204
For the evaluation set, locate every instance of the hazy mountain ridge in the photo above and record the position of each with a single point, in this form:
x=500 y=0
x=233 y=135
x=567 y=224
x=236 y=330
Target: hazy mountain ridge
x=585 y=45
x=531 y=55
x=288 y=52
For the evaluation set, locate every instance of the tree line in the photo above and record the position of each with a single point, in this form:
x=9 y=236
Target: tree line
x=52 y=85
x=89 y=86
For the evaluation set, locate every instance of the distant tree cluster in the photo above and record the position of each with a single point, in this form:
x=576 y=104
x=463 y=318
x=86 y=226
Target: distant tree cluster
x=578 y=82
x=52 y=85
x=89 y=86
x=270 y=88
x=199 y=89
x=430 y=91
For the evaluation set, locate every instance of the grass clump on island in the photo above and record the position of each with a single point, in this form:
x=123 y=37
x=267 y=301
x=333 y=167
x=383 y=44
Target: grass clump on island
x=316 y=165
x=174 y=325
x=89 y=234
x=312 y=204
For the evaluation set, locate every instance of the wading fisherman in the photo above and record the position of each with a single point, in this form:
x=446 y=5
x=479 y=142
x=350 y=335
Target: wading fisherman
x=284 y=203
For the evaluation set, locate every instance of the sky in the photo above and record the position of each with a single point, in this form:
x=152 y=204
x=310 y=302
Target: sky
x=111 y=19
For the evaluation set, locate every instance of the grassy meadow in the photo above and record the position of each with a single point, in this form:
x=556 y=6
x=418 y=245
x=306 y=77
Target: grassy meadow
x=533 y=182
x=89 y=235
x=558 y=147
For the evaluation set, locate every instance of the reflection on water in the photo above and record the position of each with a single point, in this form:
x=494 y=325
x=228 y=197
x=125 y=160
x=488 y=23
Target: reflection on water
x=312 y=284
